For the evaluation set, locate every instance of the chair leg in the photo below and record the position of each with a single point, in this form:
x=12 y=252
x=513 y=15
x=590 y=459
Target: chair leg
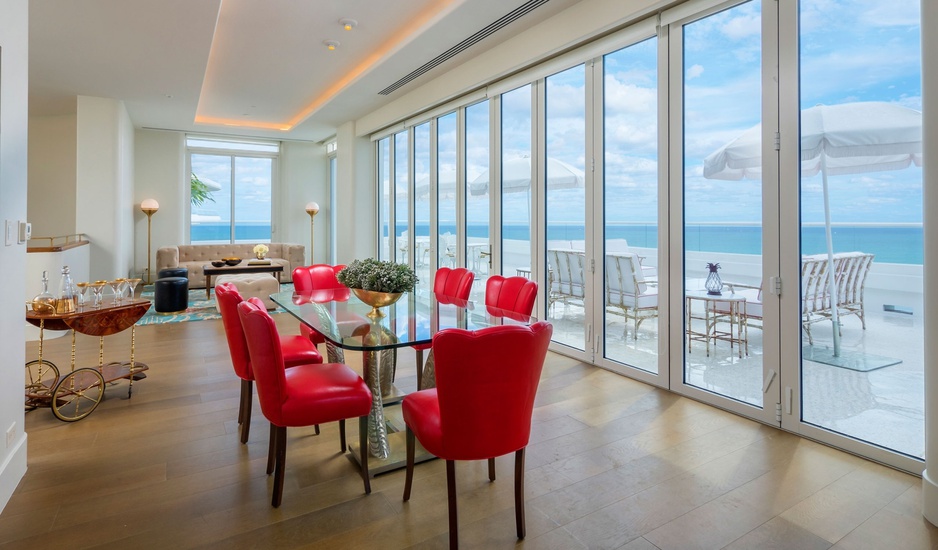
x=317 y=429
x=271 y=449
x=409 y=478
x=451 y=500
x=492 y=469
x=419 y=369
x=342 y=434
x=279 y=466
x=519 y=492
x=363 y=451
x=244 y=414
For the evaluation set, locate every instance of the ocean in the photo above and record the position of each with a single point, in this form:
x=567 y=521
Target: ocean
x=889 y=244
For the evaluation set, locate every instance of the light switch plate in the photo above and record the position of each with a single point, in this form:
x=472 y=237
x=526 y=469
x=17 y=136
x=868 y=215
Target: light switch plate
x=25 y=232
x=9 y=233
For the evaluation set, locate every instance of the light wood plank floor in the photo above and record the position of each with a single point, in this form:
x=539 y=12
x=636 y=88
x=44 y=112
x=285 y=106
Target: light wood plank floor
x=613 y=463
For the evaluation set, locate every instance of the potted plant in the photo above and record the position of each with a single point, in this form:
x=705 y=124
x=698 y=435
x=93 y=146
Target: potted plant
x=377 y=283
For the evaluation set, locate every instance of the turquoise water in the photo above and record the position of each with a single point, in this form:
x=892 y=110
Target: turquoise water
x=898 y=245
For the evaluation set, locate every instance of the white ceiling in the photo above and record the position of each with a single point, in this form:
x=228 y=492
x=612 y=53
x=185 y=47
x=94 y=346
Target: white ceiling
x=249 y=67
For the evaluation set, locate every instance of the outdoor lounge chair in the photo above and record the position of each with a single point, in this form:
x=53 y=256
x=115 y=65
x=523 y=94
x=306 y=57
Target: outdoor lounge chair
x=566 y=275
x=850 y=271
x=627 y=290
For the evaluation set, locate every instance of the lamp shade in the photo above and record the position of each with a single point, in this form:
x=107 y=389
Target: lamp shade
x=312 y=208
x=149 y=206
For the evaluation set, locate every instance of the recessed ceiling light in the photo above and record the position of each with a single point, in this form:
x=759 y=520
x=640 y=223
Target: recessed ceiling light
x=348 y=24
x=331 y=44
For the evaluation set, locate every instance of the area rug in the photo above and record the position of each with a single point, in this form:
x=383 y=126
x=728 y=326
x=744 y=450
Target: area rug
x=200 y=309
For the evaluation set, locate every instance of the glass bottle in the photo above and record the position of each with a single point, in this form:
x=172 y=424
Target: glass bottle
x=44 y=302
x=66 y=303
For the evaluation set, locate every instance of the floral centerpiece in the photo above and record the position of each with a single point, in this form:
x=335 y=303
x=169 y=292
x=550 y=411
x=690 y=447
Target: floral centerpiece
x=377 y=283
x=261 y=250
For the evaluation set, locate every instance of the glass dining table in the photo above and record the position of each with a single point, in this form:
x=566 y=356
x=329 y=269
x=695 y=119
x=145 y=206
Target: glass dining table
x=342 y=320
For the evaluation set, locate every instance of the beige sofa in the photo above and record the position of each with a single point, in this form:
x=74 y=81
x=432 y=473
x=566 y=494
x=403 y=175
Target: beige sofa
x=195 y=256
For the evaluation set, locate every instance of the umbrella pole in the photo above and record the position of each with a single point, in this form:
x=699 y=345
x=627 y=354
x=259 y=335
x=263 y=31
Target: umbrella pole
x=831 y=279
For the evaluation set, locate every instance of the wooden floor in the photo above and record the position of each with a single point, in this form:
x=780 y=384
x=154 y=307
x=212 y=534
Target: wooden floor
x=613 y=463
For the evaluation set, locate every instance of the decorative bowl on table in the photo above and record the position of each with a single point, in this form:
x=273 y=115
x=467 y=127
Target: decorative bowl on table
x=232 y=261
x=376 y=300
x=218 y=263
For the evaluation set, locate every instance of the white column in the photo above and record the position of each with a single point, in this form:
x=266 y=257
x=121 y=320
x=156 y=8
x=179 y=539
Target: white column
x=930 y=199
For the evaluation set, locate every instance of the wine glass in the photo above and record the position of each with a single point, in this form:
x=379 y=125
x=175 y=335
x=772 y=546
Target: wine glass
x=132 y=285
x=97 y=288
x=82 y=292
x=117 y=287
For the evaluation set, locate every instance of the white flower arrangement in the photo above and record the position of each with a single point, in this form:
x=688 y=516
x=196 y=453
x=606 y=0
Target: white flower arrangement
x=261 y=249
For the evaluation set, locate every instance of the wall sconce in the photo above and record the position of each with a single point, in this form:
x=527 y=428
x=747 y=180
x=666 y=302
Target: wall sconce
x=312 y=208
x=149 y=207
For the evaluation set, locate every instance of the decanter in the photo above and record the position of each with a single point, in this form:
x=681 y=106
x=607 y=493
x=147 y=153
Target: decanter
x=66 y=301
x=44 y=302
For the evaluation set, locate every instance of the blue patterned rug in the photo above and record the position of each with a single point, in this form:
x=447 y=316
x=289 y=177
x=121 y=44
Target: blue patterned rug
x=199 y=308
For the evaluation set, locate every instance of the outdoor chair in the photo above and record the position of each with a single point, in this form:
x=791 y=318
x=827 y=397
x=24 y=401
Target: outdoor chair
x=850 y=272
x=565 y=281
x=627 y=290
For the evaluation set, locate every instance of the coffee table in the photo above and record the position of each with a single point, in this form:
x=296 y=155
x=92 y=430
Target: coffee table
x=211 y=271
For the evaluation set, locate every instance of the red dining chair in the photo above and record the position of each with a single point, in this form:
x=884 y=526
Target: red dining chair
x=300 y=396
x=480 y=408
x=297 y=350
x=448 y=282
x=307 y=278
x=514 y=294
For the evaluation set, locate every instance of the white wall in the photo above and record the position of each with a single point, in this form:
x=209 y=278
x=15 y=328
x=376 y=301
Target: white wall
x=356 y=210
x=304 y=177
x=160 y=173
x=14 y=47
x=104 y=185
x=51 y=197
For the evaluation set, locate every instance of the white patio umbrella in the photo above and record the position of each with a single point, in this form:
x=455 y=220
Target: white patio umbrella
x=849 y=138
x=516 y=176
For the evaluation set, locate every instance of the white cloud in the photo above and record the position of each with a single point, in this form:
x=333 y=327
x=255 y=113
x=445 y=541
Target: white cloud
x=694 y=71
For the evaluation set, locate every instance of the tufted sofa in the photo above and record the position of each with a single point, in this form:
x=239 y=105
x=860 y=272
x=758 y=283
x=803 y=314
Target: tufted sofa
x=195 y=256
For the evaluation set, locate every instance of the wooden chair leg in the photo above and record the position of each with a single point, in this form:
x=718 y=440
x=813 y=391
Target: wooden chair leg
x=409 y=477
x=342 y=434
x=247 y=402
x=419 y=369
x=279 y=466
x=451 y=501
x=492 y=469
x=317 y=429
x=519 y=492
x=363 y=451
x=272 y=449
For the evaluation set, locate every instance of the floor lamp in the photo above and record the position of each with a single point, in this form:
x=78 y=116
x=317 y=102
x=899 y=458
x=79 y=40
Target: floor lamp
x=312 y=208
x=149 y=207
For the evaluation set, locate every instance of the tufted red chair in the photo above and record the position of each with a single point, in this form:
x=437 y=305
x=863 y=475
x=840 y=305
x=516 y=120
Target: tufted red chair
x=301 y=396
x=480 y=408
x=297 y=350
x=515 y=294
x=307 y=278
x=448 y=282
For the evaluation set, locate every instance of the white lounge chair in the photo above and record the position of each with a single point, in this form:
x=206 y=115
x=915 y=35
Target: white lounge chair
x=627 y=290
x=565 y=268
x=850 y=271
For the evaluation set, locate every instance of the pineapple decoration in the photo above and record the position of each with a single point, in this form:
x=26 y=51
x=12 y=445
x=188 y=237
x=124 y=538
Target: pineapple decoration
x=713 y=284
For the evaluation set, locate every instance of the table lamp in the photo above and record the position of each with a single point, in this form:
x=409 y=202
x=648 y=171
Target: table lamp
x=149 y=207
x=312 y=208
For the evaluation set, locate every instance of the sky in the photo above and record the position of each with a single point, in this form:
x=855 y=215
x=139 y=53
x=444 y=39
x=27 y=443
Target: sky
x=851 y=50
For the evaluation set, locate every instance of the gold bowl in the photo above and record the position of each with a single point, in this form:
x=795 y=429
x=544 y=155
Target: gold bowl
x=232 y=261
x=376 y=299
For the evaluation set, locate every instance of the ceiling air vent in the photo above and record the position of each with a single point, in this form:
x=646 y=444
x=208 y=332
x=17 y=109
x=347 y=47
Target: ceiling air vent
x=479 y=36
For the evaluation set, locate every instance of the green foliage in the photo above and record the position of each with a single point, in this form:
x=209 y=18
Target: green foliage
x=371 y=274
x=200 y=192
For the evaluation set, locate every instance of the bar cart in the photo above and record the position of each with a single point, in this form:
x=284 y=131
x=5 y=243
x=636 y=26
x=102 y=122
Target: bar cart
x=76 y=394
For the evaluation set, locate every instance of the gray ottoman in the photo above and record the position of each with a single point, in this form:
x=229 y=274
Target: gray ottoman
x=171 y=294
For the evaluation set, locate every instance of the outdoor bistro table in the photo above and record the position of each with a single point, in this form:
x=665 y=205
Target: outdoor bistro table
x=342 y=320
x=726 y=307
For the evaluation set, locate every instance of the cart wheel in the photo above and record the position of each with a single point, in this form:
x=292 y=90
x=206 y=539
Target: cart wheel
x=77 y=394
x=41 y=377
